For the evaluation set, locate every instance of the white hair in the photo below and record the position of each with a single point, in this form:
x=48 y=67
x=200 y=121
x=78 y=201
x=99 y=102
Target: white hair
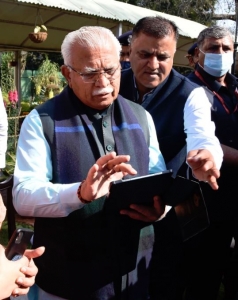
x=92 y=37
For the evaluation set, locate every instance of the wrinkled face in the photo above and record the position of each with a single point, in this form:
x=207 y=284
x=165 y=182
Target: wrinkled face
x=100 y=94
x=125 y=53
x=217 y=46
x=151 y=60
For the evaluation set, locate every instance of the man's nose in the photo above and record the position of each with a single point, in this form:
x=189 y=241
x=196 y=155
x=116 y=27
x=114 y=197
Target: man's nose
x=153 y=62
x=102 y=80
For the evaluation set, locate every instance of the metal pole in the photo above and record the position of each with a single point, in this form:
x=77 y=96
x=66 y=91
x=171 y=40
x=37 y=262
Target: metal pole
x=235 y=43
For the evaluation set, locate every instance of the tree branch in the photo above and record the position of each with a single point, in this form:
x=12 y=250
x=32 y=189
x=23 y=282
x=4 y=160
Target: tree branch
x=224 y=16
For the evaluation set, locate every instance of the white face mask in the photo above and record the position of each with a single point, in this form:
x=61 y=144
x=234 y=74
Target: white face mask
x=217 y=64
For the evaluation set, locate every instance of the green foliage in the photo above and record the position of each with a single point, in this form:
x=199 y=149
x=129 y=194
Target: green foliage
x=200 y=11
x=6 y=72
x=47 y=80
x=4 y=233
x=48 y=73
x=10 y=160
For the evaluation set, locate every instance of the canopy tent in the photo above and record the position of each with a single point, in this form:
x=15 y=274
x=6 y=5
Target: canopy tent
x=19 y=17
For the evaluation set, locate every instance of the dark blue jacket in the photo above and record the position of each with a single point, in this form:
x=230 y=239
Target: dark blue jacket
x=222 y=204
x=166 y=105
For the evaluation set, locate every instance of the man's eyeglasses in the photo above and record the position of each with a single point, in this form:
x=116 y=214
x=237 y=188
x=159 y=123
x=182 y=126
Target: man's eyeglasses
x=92 y=77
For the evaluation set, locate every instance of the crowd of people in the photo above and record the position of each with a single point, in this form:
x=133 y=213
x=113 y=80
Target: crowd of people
x=112 y=121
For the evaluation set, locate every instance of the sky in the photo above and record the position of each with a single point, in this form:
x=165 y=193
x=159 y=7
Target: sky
x=226 y=7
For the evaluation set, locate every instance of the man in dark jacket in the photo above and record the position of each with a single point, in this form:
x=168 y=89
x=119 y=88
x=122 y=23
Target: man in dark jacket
x=192 y=58
x=70 y=150
x=124 y=40
x=210 y=250
x=174 y=103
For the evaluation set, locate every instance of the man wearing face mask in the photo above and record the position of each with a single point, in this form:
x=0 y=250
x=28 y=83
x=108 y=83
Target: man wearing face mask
x=124 y=40
x=210 y=250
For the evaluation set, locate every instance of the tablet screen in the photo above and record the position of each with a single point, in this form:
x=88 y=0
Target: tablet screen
x=140 y=190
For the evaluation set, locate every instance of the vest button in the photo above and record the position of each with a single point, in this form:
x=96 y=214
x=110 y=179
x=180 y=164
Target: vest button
x=104 y=124
x=109 y=148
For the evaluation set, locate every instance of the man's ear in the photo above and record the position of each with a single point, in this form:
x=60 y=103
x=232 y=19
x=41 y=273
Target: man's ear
x=129 y=50
x=65 y=72
x=196 y=52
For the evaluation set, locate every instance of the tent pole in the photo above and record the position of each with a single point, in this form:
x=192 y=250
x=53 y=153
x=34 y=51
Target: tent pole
x=233 y=70
x=119 y=30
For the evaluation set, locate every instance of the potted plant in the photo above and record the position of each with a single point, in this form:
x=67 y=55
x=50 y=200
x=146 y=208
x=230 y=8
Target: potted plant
x=47 y=80
x=39 y=35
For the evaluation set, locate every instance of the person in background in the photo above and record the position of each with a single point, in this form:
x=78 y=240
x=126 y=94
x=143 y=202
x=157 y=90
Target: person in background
x=181 y=113
x=69 y=151
x=124 y=40
x=192 y=58
x=15 y=276
x=211 y=250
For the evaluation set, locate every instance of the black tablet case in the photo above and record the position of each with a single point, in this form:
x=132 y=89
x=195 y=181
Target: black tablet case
x=184 y=195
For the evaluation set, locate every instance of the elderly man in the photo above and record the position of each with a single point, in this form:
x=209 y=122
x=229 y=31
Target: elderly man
x=174 y=103
x=70 y=150
x=215 y=50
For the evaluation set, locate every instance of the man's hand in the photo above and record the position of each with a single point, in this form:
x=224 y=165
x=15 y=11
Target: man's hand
x=203 y=166
x=146 y=213
x=107 y=168
x=29 y=272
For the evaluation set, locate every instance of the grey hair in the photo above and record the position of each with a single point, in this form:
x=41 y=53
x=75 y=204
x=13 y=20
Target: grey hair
x=92 y=37
x=216 y=32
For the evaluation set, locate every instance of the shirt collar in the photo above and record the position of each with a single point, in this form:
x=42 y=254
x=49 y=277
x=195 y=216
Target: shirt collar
x=157 y=89
x=209 y=80
x=231 y=80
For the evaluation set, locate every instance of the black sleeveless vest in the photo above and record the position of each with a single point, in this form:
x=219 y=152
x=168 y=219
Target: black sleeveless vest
x=89 y=251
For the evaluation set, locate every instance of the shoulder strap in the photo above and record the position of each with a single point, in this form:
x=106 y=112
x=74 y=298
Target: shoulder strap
x=176 y=162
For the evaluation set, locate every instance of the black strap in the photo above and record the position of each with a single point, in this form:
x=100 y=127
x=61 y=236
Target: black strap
x=176 y=162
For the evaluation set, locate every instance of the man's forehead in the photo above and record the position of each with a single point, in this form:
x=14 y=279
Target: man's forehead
x=166 y=42
x=226 y=41
x=142 y=35
x=99 y=57
x=155 y=50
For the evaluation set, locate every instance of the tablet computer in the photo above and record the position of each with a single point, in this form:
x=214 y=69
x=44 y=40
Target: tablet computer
x=183 y=194
x=187 y=199
x=140 y=190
